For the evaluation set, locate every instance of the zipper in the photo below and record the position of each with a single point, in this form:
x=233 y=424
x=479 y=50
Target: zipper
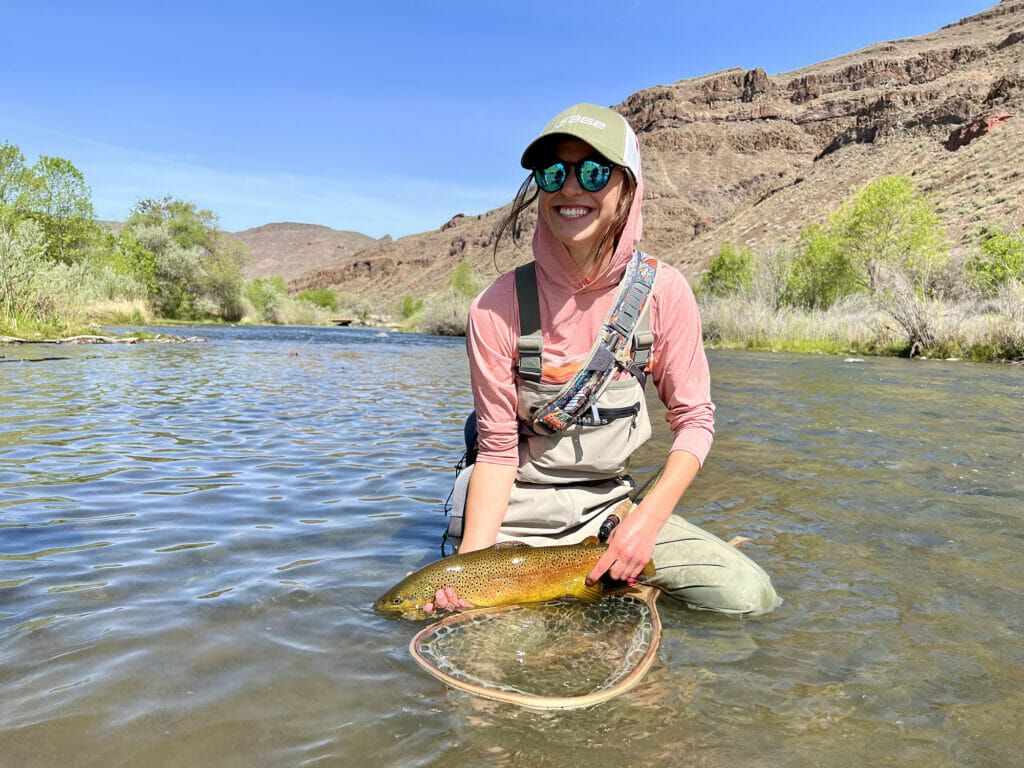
x=608 y=415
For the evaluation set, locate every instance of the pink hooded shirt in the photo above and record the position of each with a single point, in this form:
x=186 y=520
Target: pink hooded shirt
x=572 y=311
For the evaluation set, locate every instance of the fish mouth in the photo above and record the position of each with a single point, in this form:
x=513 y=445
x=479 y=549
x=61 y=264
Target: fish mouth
x=386 y=607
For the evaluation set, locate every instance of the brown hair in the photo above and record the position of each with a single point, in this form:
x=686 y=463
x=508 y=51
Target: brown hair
x=528 y=191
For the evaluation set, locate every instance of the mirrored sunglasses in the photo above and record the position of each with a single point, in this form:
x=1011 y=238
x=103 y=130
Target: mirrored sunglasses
x=591 y=175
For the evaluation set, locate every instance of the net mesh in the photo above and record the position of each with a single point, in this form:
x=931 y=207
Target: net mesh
x=562 y=649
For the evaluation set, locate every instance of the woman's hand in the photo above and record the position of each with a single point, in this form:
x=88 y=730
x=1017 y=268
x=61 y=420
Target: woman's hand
x=446 y=600
x=630 y=546
x=631 y=542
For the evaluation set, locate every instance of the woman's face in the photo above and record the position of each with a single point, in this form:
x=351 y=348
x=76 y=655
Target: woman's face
x=578 y=218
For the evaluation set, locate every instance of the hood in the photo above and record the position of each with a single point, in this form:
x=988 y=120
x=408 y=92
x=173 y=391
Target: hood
x=562 y=272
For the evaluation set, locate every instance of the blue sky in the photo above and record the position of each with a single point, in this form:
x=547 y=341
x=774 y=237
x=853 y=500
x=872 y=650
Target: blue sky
x=383 y=118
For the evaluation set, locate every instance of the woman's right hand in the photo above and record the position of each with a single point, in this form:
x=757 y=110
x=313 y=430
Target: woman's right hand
x=446 y=599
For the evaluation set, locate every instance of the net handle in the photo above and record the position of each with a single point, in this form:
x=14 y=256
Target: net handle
x=642 y=592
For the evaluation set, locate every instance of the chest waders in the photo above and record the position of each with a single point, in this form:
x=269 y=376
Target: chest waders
x=575 y=438
x=570 y=479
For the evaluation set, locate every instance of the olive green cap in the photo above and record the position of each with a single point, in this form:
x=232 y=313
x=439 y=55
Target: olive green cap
x=605 y=130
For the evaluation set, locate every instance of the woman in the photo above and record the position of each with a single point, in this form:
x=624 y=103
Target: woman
x=551 y=457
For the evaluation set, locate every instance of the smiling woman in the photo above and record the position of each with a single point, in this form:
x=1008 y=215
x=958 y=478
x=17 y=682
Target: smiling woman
x=585 y=208
x=560 y=351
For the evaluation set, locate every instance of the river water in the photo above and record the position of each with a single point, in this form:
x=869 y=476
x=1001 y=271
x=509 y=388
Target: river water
x=191 y=537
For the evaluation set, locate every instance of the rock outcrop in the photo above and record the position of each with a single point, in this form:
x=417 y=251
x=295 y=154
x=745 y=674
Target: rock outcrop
x=964 y=136
x=749 y=157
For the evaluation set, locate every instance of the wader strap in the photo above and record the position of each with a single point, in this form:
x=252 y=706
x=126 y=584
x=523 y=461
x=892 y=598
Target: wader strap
x=531 y=342
x=624 y=342
x=643 y=340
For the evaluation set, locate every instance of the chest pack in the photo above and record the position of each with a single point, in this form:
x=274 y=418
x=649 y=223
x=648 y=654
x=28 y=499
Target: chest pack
x=624 y=343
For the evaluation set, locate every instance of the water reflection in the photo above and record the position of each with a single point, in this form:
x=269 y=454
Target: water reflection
x=191 y=537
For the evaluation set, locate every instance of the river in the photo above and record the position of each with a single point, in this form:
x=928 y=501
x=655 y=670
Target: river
x=191 y=537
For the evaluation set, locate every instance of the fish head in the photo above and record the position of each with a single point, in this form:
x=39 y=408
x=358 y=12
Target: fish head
x=404 y=599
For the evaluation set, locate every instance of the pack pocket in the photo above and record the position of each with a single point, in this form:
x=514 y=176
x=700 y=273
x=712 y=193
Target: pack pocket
x=608 y=415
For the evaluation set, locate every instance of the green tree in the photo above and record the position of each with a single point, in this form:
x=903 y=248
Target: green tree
x=266 y=297
x=998 y=260
x=126 y=255
x=464 y=281
x=886 y=225
x=319 y=297
x=408 y=306
x=15 y=182
x=187 y=224
x=22 y=263
x=822 y=271
x=730 y=272
x=62 y=203
x=196 y=269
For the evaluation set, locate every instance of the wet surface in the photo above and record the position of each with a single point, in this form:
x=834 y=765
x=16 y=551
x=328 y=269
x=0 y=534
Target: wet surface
x=191 y=538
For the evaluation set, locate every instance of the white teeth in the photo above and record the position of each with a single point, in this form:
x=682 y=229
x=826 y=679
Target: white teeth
x=573 y=213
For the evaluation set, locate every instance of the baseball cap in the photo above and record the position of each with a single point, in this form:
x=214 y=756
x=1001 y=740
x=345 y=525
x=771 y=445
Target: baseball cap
x=605 y=130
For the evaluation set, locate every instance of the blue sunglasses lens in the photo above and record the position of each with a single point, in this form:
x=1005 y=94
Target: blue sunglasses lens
x=550 y=179
x=592 y=176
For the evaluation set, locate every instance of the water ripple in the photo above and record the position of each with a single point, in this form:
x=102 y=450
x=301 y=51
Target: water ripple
x=191 y=537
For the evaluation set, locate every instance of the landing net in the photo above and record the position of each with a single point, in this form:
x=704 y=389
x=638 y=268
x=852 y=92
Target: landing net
x=559 y=655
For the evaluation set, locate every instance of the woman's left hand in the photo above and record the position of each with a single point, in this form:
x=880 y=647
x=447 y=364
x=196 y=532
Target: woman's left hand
x=630 y=546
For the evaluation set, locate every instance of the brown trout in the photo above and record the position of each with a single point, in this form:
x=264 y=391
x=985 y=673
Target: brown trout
x=501 y=575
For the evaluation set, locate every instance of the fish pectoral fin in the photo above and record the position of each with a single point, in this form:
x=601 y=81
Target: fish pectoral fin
x=591 y=540
x=590 y=591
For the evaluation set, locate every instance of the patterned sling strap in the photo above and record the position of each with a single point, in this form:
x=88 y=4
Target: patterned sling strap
x=614 y=347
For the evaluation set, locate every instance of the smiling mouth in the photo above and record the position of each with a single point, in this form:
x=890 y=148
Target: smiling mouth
x=573 y=211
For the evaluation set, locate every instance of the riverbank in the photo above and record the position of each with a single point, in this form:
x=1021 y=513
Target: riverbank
x=979 y=332
x=857 y=325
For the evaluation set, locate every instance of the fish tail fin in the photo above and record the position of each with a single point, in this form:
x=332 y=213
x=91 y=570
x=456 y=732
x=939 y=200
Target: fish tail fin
x=649 y=569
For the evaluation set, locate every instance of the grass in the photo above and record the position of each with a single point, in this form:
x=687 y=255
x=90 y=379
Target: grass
x=27 y=328
x=992 y=331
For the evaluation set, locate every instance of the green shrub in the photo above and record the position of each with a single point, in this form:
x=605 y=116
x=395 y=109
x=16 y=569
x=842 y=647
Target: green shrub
x=730 y=272
x=23 y=266
x=408 y=306
x=320 y=297
x=264 y=298
x=886 y=225
x=464 y=281
x=355 y=307
x=196 y=270
x=445 y=313
x=822 y=272
x=999 y=259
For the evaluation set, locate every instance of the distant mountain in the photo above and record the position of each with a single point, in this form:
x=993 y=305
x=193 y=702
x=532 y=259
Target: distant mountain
x=749 y=157
x=289 y=249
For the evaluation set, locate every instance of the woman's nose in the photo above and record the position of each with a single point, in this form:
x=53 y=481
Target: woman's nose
x=572 y=184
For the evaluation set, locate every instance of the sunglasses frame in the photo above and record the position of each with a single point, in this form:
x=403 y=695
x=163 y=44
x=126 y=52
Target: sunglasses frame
x=578 y=170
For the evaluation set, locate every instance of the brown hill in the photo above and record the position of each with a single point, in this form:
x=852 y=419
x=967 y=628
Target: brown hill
x=749 y=157
x=289 y=249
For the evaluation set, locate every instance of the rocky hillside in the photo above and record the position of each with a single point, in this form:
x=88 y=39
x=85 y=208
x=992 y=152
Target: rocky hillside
x=749 y=157
x=289 y=249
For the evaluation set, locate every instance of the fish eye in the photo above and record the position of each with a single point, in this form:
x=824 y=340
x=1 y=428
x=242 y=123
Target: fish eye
x=396 y=601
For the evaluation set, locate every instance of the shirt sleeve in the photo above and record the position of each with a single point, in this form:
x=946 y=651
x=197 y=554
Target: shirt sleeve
x=491 y=344
x=679 y=366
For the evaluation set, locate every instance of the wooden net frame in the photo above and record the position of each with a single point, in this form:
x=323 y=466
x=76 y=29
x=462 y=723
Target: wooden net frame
x=642 y=593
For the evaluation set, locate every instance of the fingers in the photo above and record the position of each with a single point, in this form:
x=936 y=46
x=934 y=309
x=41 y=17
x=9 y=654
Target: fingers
x=618 y=565
x=446 y=599
x=600 y=567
